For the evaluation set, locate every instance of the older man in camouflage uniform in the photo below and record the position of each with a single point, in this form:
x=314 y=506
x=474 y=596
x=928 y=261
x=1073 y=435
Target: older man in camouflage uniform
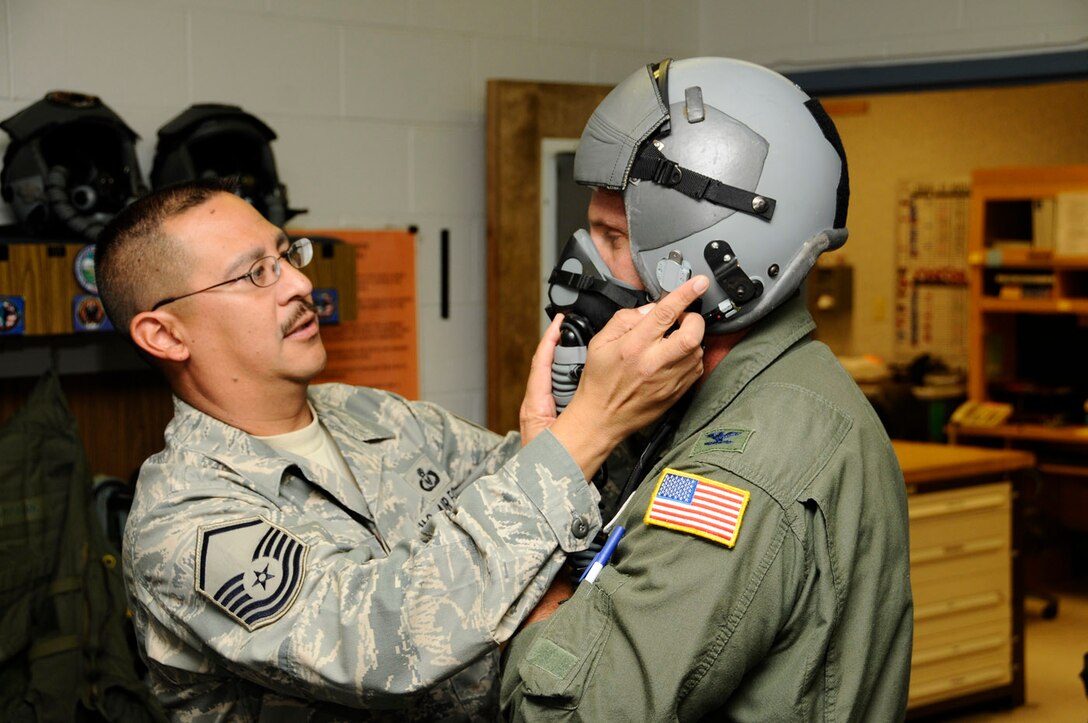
x=306 y=552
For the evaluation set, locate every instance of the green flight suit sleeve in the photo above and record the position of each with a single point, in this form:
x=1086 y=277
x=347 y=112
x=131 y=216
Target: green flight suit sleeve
x=670 y=627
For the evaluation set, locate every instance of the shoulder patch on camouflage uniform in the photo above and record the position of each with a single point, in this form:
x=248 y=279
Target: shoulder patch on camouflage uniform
x=251 y=568
x=697 y=505
x=721 y=440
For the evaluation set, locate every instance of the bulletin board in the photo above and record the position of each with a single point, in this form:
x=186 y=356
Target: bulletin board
x=931 y=272
x=379 y=347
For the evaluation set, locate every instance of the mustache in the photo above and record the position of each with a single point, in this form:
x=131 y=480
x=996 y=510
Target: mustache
x=304 y=307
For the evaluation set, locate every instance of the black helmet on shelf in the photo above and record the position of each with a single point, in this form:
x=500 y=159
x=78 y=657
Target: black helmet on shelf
x=70 y=166
x=214 y=140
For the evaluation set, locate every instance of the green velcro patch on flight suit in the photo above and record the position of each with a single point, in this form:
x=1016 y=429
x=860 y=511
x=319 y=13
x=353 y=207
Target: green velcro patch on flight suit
x=722 y=439
x=548 y=656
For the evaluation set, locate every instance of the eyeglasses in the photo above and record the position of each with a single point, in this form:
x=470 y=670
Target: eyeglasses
x=264 y=271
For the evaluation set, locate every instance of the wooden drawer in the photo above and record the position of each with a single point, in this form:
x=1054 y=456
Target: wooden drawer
x=932 y=642
x=981 y=613
x=949 y=520
x=962 y=680
x=965 y=577
x=928 y=553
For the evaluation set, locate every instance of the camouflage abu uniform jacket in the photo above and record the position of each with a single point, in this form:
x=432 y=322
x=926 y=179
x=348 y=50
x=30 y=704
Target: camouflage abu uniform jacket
x=266 y=587
x=764 y=573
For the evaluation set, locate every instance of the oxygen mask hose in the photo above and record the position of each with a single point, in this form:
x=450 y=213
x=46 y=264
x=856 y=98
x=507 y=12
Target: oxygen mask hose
x=570 y=358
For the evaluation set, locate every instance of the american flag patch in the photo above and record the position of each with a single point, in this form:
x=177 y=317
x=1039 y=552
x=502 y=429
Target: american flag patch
x=697 y=505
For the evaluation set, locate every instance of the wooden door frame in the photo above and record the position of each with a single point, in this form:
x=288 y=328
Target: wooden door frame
x=520 y=115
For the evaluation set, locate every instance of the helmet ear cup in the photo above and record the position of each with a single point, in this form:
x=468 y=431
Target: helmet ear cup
x=70 y=167
x=212 y=140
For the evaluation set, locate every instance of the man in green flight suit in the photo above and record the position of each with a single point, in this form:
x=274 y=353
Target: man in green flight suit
x=763 y=574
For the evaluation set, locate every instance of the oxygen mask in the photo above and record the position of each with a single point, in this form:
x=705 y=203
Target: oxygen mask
x=583 y=289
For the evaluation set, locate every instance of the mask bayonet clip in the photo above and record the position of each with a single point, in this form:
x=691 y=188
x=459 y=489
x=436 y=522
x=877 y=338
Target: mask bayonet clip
x=736 y=284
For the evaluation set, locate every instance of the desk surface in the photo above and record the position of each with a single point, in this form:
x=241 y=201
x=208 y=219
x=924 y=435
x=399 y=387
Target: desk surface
x=931 y=462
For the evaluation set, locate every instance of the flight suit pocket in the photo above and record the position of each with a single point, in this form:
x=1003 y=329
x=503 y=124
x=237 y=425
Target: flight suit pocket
x=562 y=657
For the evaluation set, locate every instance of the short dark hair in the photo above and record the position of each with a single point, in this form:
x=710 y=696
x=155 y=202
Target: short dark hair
x=135 y=261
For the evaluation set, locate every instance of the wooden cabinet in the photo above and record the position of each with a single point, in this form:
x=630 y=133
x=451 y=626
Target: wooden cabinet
x=961 y=552
x=122 y=406
x=966 y=575
x=1028 y=286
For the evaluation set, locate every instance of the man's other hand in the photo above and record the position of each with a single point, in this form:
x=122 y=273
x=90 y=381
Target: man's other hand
x=538 y=410
x=638 y=365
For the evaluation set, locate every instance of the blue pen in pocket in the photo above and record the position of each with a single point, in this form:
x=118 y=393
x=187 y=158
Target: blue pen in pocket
x=601 y=558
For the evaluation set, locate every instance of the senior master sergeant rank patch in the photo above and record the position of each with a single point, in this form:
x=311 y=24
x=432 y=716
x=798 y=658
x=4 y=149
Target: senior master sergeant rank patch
x=251 y=568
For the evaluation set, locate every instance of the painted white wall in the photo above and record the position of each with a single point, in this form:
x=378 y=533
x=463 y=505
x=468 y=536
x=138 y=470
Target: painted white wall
x=795 y=34
x=379 y=104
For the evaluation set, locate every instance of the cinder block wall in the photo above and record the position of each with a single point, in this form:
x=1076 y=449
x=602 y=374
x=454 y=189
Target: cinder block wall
x=379 y=104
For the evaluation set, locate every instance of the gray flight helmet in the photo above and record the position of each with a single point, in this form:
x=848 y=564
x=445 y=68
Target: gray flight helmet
x=728 y=169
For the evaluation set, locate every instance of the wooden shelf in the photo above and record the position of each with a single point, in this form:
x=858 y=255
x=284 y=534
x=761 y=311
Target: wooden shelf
x=1067 y=470
x=1025 y=259
x=1027 y=182
x=1036 y=340
x=1032 y=306
x=1000 y=213
x=1072 y=434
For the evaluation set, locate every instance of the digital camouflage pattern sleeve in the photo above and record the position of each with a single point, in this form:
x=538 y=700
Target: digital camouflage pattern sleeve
x=263 y=583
